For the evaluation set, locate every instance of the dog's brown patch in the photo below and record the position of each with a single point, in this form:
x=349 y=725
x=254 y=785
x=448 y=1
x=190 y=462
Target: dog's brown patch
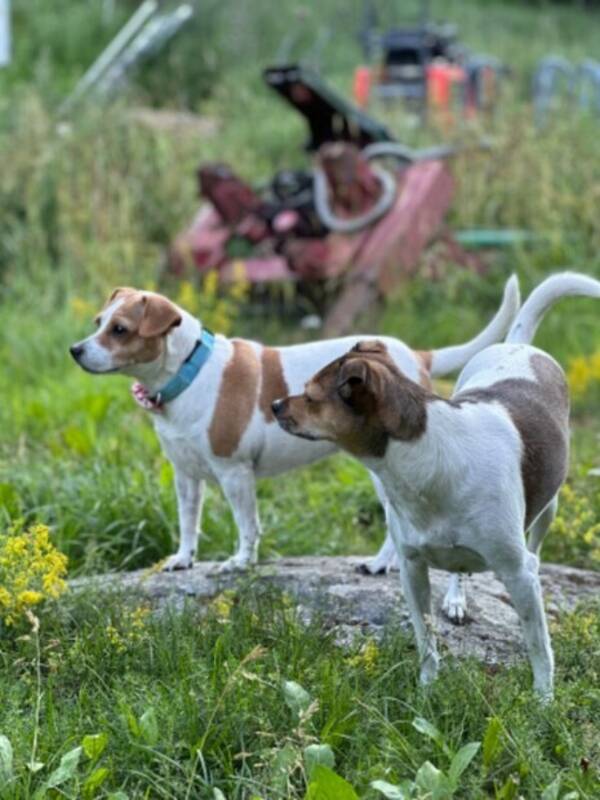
x=273 y=385
x=236 y=401
x=424 y=357
x=539 y=410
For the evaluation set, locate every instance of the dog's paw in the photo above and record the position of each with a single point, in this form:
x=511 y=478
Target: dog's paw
x=178 y=561
x=455 y=611
x=455 y=604
x=380 y=564
x=237 y=563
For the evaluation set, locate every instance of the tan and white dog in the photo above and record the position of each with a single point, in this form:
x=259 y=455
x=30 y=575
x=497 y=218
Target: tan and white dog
x=222 y=428
x=465 y=478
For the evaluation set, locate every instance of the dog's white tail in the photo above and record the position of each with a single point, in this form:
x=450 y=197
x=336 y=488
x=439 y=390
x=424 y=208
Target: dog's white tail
x=451 y=359
x=545 y=295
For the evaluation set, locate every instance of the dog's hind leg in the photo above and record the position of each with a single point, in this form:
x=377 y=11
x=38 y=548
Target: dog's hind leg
x=454 y=605
x=190 y=495
x=239 y=487
x=387 y=556
x=540 y=526
x=525 y=591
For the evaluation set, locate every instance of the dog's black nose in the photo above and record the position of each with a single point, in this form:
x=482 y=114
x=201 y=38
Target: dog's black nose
x=76 y=350
x=277 y=406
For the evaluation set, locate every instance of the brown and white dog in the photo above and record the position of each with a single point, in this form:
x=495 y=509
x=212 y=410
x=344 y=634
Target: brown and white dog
x=465 y=478
x=222 y=427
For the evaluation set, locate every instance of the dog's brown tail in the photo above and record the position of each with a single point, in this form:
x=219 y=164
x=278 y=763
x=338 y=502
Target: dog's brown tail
x=452 y=359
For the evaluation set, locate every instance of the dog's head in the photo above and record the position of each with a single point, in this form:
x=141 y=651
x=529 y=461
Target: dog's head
x=359 y=401
x=131 y=330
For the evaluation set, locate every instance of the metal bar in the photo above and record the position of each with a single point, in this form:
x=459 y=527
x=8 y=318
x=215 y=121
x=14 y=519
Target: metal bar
x=5 y=40
x=112 y=51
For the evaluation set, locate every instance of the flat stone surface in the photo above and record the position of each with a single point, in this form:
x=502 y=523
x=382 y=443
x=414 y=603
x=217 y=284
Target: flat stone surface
x=352 y=603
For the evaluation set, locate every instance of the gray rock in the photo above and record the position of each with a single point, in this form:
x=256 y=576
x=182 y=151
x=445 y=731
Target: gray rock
x=353 y=603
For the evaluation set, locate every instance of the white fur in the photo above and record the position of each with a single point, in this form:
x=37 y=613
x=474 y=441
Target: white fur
x=265 y=449
x=456 y=498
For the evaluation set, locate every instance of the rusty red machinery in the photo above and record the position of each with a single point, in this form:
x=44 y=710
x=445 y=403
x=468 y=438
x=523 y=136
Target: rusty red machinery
x=362 y=215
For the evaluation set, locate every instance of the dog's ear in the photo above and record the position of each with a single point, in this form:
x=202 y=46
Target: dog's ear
x=160 y=315
x=116 y=292
x=403 y=409
x=353 y=380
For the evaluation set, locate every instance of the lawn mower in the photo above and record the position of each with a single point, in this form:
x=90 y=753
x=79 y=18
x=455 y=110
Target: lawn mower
x=425 y=66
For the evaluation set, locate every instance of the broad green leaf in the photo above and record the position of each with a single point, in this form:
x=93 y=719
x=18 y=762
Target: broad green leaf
x=461 y=761
x=94 y=745
x=6 y=761
x=149 y=727
x=282 y=764
x=218 y=794
x=94 y=781
x=318 y=754
x=492 y=741
x=66 y=769
x=295 y=696
x=428 y=729
x=392 y=791
x=119 y=795
x=552 y=791
x=325 y=784
x=431 y=779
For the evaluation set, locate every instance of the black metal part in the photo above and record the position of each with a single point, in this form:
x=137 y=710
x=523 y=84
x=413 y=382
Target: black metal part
x=330 y=117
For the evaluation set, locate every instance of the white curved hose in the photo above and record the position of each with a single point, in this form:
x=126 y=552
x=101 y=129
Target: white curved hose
x=342 y=225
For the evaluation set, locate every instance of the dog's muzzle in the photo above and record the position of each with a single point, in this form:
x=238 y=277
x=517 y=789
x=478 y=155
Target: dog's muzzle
x=76 y=351
x=277 y=407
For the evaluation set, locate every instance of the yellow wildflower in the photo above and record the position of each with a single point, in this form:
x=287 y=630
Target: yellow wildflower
x=367 y=658
x=31 y=570
x=222 y=604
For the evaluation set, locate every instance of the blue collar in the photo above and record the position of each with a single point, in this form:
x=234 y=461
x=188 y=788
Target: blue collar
x=188 y=370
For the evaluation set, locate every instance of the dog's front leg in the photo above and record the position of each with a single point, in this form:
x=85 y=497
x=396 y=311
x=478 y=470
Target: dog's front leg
x=414 y=576
x=239 y=487
x=190 y=494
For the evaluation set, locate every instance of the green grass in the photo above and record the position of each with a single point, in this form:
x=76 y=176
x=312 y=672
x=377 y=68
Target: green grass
x=91 y=207
x=182 y=712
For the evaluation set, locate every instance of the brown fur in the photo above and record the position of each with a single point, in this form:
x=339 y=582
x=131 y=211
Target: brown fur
x=130 y=347
x=273 y=383
x=236 y=401
x=540 y=412
x=359 y=401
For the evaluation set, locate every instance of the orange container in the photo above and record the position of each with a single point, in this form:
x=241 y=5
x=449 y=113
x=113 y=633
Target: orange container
x=444 y=83
x=361 y=87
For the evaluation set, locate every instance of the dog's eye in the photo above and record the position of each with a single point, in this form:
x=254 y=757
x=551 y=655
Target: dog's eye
x=118 y=330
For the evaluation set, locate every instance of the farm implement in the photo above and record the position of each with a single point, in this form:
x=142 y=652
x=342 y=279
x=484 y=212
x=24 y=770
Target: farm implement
x=360 y=218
